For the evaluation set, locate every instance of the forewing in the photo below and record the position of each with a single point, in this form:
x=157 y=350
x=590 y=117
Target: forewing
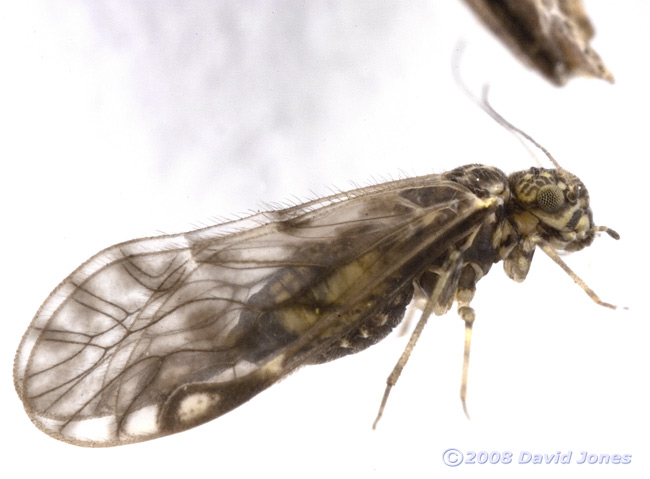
x=157 y=335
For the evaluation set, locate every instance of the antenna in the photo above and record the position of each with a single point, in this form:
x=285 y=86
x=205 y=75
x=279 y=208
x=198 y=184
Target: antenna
x=484 y=104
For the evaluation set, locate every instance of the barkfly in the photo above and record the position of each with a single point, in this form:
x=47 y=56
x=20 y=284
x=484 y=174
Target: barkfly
x=157 y=335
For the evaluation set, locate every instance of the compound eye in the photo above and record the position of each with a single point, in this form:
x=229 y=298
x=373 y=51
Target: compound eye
x=550 y=198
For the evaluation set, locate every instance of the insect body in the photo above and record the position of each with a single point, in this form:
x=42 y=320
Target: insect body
x=154 y=336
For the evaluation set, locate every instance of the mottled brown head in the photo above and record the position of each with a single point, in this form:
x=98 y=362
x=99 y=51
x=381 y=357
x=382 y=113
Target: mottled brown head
x=553 y=204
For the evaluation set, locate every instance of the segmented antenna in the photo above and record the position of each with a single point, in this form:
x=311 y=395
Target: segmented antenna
x=484 y=104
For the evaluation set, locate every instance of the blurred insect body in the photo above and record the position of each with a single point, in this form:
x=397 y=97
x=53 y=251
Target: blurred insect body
x=552 y=36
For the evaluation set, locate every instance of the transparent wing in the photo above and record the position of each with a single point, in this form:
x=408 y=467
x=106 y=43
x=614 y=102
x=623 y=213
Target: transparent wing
x=154 y=336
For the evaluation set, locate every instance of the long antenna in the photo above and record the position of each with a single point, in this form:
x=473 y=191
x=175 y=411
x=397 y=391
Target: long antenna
x=484 y=104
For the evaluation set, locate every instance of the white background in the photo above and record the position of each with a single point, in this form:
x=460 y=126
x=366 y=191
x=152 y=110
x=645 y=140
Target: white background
x=126 y=119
